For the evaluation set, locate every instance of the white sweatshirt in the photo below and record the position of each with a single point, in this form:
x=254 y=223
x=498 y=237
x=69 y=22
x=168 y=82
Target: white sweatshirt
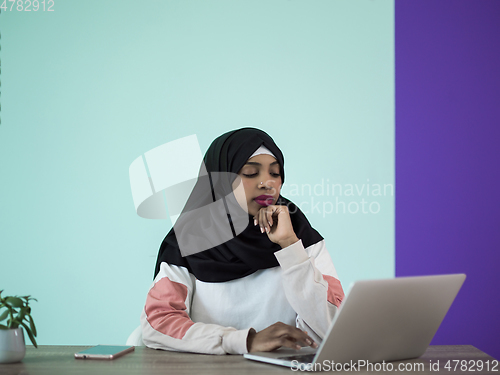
x=186 y=314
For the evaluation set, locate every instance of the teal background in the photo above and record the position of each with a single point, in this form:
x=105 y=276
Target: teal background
x=88 y=88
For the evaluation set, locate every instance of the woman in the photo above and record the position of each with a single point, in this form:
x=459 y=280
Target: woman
x=242 y=270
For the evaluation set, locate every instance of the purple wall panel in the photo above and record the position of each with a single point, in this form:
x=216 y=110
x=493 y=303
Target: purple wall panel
x=448 y=156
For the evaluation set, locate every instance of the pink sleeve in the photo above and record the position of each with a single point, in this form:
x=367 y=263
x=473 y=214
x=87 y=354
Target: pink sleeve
x=335 y=293
x=166 y=308
x=166 y=322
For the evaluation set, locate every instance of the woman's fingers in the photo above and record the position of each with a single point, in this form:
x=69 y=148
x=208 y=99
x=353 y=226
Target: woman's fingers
x=295 y=337
x=279 y=335
x=264 y=224
x=262 y=220
x=265 y=218
x=275 y=221
x=269 y=216
x=287 y=343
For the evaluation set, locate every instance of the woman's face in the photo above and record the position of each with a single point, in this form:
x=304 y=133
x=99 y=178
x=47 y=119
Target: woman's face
x=259 y=183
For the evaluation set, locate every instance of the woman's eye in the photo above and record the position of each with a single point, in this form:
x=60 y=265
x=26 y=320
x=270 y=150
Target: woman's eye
x=275 y=174
x=250 y=175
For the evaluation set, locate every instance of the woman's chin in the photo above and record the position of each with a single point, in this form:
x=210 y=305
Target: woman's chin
x=254 y=207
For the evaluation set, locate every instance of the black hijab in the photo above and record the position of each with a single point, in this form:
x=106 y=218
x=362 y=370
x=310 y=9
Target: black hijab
x=239 y=250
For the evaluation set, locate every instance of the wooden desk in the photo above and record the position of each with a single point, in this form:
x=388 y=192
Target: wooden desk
x=56 y=360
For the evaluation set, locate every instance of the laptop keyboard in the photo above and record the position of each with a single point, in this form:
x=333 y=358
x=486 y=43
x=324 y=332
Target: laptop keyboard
x=303 y=358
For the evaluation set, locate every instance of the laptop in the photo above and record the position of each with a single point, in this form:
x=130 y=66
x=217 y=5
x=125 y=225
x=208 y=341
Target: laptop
x=379 y=320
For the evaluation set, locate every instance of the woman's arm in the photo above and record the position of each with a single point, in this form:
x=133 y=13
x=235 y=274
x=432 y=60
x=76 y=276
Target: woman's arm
x=311 y=286
x=309 y=277
x=166 y=323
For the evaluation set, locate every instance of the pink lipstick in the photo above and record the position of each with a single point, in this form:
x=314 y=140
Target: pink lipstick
x=264 y=200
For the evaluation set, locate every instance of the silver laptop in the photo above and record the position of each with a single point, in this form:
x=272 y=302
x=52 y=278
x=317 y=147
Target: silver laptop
x=379 y=320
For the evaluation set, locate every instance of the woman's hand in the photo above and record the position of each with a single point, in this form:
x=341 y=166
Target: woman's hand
x=275 y=221
x=278 y=335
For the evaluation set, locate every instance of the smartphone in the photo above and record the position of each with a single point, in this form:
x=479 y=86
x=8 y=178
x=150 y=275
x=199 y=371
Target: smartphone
x=104 y=352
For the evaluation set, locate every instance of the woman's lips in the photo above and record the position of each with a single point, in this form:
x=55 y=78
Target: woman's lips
x=264 y=200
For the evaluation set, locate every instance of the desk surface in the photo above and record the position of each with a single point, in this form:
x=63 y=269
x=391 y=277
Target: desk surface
x=55 y=360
